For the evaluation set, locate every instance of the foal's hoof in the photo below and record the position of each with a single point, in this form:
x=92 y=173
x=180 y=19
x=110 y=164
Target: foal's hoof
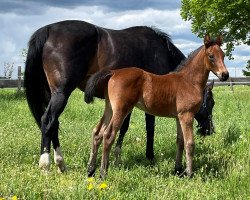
x=103 y=174
x=44 y=162
x=178 y=171
x=91 y=171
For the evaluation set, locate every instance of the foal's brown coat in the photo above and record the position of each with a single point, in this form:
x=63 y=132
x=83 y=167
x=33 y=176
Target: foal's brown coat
x=177 y=95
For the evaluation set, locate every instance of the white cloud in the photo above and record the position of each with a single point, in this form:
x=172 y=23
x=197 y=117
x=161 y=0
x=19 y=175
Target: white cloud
x=7 y=47
x=16 y=29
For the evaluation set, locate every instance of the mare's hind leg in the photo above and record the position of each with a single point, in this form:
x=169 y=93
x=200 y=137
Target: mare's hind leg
x=58 y=156
x=49 y=127
x=118 y=147
x=150 y=128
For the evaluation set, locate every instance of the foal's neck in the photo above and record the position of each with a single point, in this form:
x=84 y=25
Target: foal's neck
x=195 y=70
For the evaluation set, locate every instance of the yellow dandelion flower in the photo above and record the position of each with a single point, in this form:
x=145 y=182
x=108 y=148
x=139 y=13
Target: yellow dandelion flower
x=14 y=198
x=90 y=180
x=103 y=186
x=90 y=186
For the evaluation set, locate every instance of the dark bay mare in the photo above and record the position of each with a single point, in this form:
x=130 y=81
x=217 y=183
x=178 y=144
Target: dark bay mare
x=62 y=56
x=178 y=95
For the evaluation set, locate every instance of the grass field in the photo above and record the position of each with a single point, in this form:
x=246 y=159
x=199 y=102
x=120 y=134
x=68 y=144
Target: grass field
x=221 y=165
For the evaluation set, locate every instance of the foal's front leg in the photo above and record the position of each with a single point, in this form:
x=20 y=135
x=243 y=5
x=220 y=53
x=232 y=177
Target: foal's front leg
x=180 y=147
x=186 y=121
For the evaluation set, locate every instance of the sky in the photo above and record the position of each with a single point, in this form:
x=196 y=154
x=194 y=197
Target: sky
x=20 y=18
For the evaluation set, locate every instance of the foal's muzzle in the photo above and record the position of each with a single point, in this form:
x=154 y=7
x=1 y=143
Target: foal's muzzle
x=224 y=76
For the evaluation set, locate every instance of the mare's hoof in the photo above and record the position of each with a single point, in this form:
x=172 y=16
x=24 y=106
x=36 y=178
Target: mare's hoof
x=150 y=156
x=118 y=160
x=44 y=162
x=61 y=168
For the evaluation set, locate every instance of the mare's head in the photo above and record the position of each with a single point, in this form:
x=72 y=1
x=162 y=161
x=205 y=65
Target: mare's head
x=204 y=117
x=214 y=57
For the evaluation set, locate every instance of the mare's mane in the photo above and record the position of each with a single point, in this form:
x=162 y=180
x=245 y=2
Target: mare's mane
x=175 y=55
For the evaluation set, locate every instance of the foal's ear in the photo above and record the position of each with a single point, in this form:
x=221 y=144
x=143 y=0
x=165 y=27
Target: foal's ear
x=207 y=40
x=219 y=40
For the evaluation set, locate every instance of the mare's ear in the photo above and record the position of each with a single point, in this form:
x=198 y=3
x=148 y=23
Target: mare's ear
x=207 y=40
x=210 y=85
x=219 y=40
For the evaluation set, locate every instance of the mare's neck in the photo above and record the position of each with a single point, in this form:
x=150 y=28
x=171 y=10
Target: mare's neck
x=195 y=70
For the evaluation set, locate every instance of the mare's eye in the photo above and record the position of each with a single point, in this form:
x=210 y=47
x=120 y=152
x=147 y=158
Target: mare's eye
x=211 y=57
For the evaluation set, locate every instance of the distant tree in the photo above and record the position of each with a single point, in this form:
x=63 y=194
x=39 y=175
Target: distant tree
x=229 y=17
x=8 y=69
x=247 y=73
x=24 y=54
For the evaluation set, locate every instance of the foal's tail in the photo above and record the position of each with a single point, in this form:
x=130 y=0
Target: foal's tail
x=98 y=81
x=35 y=82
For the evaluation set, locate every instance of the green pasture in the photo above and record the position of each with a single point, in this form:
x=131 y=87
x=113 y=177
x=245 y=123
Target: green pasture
x=221 y=165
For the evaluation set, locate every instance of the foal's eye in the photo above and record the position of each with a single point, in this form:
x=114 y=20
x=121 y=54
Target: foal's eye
x=211 y=57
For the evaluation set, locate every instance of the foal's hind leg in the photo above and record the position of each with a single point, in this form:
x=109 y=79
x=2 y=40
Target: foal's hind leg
x=118 y=147
x=108 y=140
x=49 y=127
x=97 y=139
x=150 y=128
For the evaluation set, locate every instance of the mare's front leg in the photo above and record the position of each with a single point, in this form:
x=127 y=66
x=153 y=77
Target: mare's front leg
x=118 y=146
x=150 y=128
x=49 y=128
x=186 y=122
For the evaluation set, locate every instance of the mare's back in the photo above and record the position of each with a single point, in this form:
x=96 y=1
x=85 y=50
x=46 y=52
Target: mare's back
x=138 y=46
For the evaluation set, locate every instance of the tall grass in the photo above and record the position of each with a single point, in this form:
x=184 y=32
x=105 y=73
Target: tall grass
x=222 y=161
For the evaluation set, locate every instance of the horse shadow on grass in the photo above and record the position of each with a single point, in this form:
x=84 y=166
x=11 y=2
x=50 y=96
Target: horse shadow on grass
x=154 y=167
x=210 y=161
x=213 y=161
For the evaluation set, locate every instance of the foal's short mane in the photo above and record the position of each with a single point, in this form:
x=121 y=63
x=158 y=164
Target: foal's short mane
x=188 y=59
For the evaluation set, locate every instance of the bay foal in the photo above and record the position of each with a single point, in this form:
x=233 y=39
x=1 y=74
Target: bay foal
x=177 y=95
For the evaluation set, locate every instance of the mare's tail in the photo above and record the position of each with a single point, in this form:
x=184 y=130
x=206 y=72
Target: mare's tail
x=35 y=82
x=98 y=81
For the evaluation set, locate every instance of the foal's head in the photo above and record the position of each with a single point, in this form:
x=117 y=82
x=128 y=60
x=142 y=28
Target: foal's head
x=204 y=117
x=214 y=57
